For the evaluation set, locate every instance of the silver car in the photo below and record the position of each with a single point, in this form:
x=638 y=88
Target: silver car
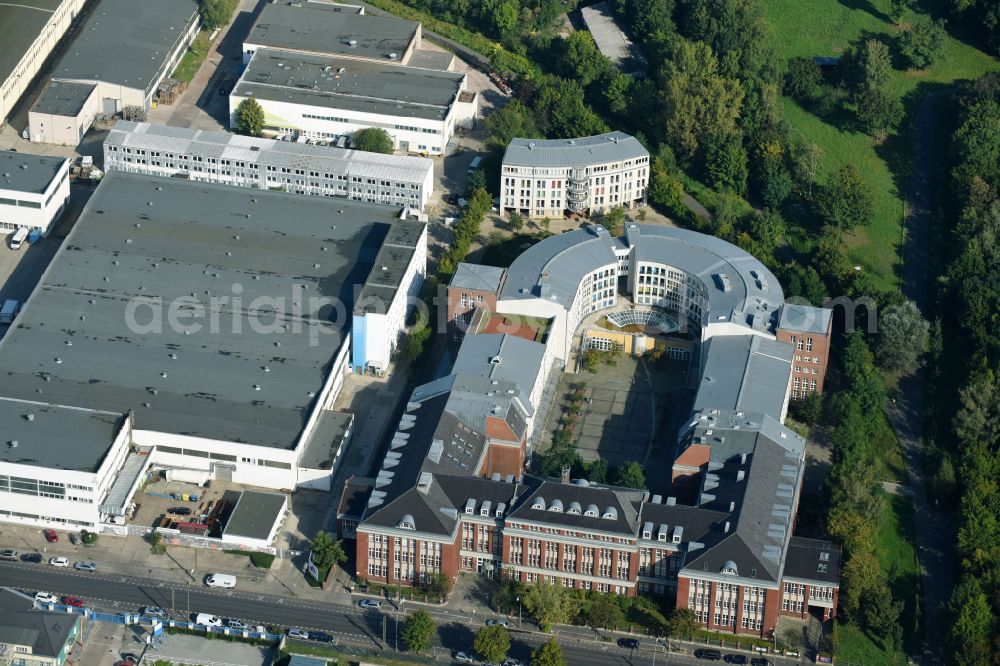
x=238 y=625
x=295 y=632
x=86 y=565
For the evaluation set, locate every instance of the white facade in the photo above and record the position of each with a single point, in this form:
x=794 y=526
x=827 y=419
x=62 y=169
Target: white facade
x=34 y=210
x=242 y=161
x=31 y=61
x=590 y=174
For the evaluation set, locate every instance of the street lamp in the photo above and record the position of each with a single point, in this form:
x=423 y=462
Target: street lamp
x=519 y=612
x=398 y=608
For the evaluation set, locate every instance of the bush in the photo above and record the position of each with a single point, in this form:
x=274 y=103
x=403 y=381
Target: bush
x=89 y=538
x=262 y=560
x=804 y=79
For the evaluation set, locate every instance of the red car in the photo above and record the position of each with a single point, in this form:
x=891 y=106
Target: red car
x=73 y=601
x=51 y=536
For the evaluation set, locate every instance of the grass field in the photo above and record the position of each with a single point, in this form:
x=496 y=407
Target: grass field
x=192 y=59
x=829 y=28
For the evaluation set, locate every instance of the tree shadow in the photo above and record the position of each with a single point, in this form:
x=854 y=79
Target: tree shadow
x=457 y=636
x=867 y=6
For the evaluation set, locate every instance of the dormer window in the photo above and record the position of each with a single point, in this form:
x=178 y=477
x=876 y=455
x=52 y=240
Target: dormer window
x=591 y=511
x=574 y=509
x=556 y=506
x=610 y=513
x=407 y=523
x=538 y=503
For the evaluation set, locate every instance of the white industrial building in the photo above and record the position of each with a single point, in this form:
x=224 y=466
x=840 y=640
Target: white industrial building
x=242 y=161
x=63 y=113
x=34 y=191
x=183 y=325
x=325 y=97
x=29 y=30
x=549 y=178
x=121 y=54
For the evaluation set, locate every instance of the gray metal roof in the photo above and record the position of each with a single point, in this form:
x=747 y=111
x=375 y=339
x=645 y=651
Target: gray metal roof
x=21 y=23
x=502 y=358
x=622 y=500
x=64 y=98
x=255 y=514
x=222 y=145
x=439 y=60
x=56 y=437
x=24 y=172
x=474 y=276
x=319 y=27
x=562 y=261
x=253 y=375
x=814 y=560
x=45 y=632
x=805 y=318
x=390 y=266
x=325 y=440
x=580 y=152
x=126 y=42
x=369 y=87
x=747 y=373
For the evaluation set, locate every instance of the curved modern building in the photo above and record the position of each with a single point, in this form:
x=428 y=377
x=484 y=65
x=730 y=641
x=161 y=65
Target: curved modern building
x=548 y=178
x=711 y=285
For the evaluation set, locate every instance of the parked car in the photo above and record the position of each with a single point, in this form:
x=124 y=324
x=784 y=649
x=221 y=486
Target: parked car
x=9 y=554
x=129 y=658
x=369 y=603
x=208 y=620
x=295 y=632
x=86 y=565
x=628 y=643
x=50 y=536
x=320 y=636
x=180 y=511
x=153 y=611
x=74 y=539
x=493 y=622
x=463 y=658
x=238 y=625
x=759 y=661
x=76 y=602
x=510 y=662
x=736 y=659
x=34 y=558
x=46 y=598
x=708 y=655
x=59 y=562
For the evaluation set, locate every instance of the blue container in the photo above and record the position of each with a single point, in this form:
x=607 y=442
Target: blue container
x=34 y=236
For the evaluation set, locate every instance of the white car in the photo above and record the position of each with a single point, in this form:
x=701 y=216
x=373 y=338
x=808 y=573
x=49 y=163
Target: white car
x=59 y=562
x=463 y=658
x=369 y=603
x=46 y=598
x=496 y=622
x=85 y=566
x=301 y=634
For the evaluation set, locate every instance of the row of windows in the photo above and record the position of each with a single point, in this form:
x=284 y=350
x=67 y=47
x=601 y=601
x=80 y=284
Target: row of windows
x=408 y=128
x=222 y=456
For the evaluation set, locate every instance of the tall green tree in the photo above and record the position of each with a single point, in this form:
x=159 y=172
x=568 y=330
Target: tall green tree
x=492 y=643
x=845 y=202
x=418 y=631
x=327 y=550
x=972 y=624
x=604 y=613
x=921 y=44
x=683 y=623
x=902 y=337
x=726 y=164
x=582 y=61
x=216 y=13
x=548 y=604
x=250 y=118
x=630 y=475
x=898 y=9
x=561 y=111
x=549 y=653
x=372 y=140
x=879 y=110
x=514 y=120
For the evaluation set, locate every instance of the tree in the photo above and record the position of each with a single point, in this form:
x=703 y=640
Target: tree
x=878 y=109
x=810 y=410
x=845 y=202
x=549 y=653
x=504 y=600
x=921 y=44
x=418 y=631
x=630 y=475
x=791 y=638
x=562 y=112
x=413 y=345
x=683 y=623
x=547 y=603
x=598 y=471
x=861 y=573
x=500 y=16
x=726 y=164
x=516 y=221
x=902 y=337
x=492 y=643
x=216 y=13
x=582 y=61
x=698 y=102
x=372 y=140
x=156 y=545
x=880 y=610
x=438 y=585
x=897 y=9
x=604 y=613
x=804 y=79
x=514 y=120
x=970 y=639
x=978 y=415
x=665 y=190
x=250 y=118
x=327 y=551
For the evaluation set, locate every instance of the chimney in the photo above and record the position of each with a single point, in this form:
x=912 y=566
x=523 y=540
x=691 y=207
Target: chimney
x=565 y=474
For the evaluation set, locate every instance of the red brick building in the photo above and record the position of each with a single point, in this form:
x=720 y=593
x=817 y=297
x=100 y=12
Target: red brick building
x=808 y=330
x=471 y=287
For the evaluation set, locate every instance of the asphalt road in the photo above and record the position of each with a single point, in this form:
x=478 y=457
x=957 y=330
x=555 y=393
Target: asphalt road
x=349 y=624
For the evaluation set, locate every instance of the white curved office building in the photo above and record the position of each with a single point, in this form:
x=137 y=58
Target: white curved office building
x=591 y=174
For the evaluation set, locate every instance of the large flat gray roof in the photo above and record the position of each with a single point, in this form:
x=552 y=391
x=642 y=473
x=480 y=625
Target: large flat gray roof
x=805 y=318
x=476 y=276
x=64 y=98
x=746 y=373
x=600 y=149
x=24 y=172
x=320 y=27
x=609 y=37
x=390 y=266
x=222 y=145
x=369 y=87
x=255 y=514
x=250 y=377
x=21 y=23
x=56 y=437
x=126 y=42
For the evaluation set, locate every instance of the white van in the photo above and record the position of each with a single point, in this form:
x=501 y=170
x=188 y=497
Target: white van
x=220 y=580
x=17 y=240
x=9 y=311
x=208 y=620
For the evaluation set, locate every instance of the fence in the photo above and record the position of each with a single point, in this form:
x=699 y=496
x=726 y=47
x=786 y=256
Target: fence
x=172 y=537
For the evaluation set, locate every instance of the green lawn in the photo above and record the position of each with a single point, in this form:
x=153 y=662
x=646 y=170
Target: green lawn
x=196 y=54
x=829 y=27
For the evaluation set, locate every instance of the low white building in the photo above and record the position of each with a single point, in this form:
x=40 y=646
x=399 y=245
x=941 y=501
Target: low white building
x=323 y=98
x=63 y=113
x=29 y=30
x=388 y=295
x=587 y=175
x=242 y=161
x=34 y=191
